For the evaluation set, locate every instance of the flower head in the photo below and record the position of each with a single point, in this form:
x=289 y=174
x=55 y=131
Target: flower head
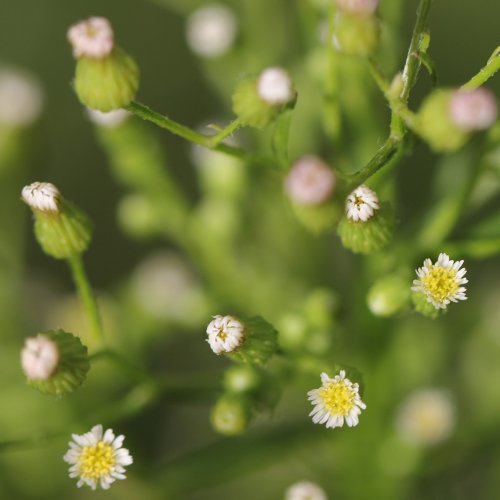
x=310 y=181
x=305 y=490
x=274 y=86
x=363 y=7
x=42 y=196
x=92 y=38
x=225 y=334
x=211 y=30
x=441 y=282
x=361 y=204
x=39 y=357
x=426 y=417
x=335 y=401
x=473 y=109
x=97 y=458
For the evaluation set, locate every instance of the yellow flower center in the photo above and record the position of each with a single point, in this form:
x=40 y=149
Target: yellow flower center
x=337 y=397
x=440 y=283
x=97 y=461
x=358 y=201
x=221 y=334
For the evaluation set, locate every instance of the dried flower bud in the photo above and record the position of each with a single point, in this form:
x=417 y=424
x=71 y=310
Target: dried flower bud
x=92 y=38
x=310 y=181
x=473 y=109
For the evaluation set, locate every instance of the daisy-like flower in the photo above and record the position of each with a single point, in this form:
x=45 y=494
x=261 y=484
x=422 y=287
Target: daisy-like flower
x=473 y=109
x=361 y=204
x=92 y=38
x=310 y=181
x=97 y=458
x=305 y=490
x=336 y=401
x=42 y=196
x=225 y=334
x=39 y=357
x=274 y=86
x=441 y=282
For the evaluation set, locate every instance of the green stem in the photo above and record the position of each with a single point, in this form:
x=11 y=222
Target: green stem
x=389 y=152
x=187 y=133
x=492 y=66
x=86 y=296
x=225 y=132
x=412 y=64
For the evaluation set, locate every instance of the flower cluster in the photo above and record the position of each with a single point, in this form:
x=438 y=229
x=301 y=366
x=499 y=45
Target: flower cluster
x=225 y=334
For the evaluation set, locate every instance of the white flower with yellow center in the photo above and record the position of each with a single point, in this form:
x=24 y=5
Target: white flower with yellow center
x=225 y=334
x=92 y=38
x=361 y=204
x=441 y=282
x=42 y=196
x=336 y=401
x=97 y=458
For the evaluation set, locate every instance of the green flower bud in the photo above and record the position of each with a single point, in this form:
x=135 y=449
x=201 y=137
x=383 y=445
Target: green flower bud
x=251 y=341
x=106 y=77
x=388 y=295
x=356 y=35
x=257 y=101
x=55 y=362
x=108 y=83
x=367 y=226
x=61 y=229
x=435 y=125
x=241 y=378
x=424 y=307
x=231 y=414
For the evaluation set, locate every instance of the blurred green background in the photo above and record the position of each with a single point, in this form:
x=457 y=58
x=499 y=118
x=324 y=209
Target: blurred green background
x=176 y=453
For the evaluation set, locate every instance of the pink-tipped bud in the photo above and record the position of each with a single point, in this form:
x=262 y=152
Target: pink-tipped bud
x=473 y=109
x=361 y=7
x=40 y=357
x=92 y=38
x=310 y=181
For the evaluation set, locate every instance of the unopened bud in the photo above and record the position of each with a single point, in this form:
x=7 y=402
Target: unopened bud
x=473 y=109
x=231 y=414
x=61 y=229
x=55 y=362
x=362 y=7
x=356 y=35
